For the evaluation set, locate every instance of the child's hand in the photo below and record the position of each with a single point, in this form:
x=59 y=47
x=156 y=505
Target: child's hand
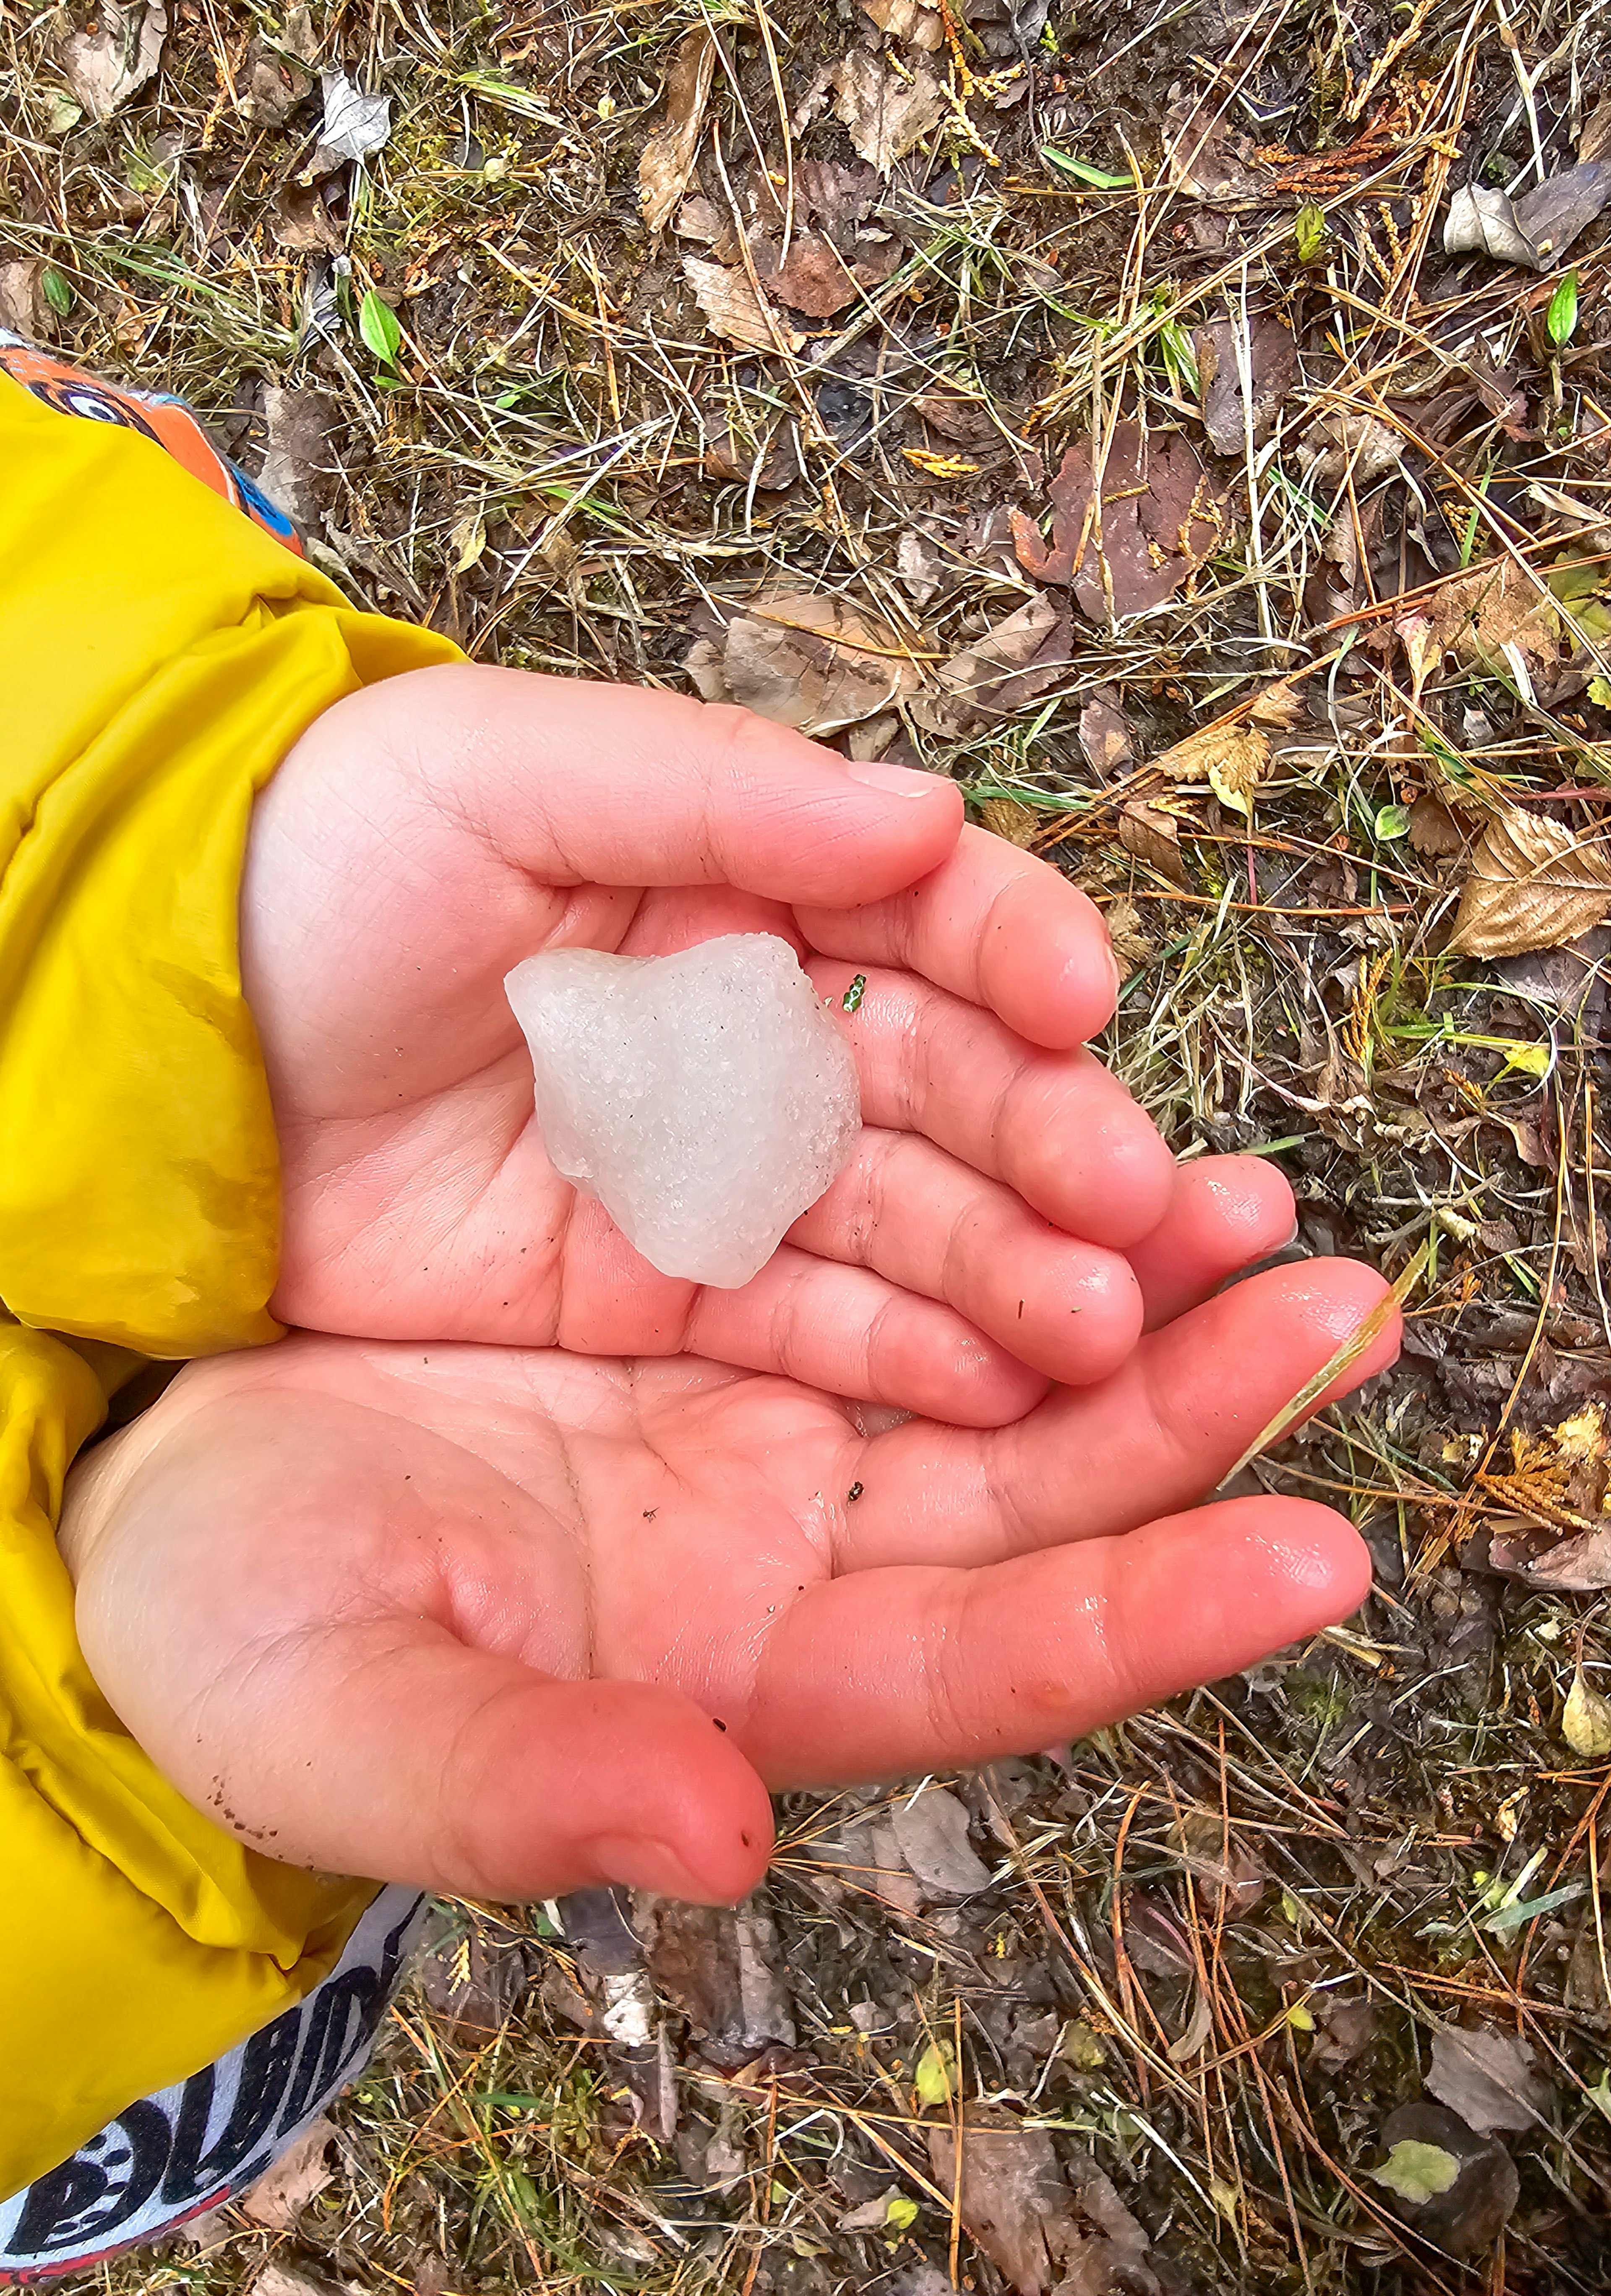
x=427 y=834
x=464 y=1616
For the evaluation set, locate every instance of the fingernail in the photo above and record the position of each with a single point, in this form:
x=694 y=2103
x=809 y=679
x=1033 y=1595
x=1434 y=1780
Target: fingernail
x=895 y=781
x=1113 y=967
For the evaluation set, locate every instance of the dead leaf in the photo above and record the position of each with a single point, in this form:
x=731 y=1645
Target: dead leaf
x=1343 y=447
x=22 y=305
x=1283 y=704
x=1433 y=828
x=280 y=2279
x=1344 y=2031
x=733 y=310
x=1231 y=759
x=932 y=1832
x=278 y=2199
x=668 y=155
x=815 y=279
x=300 y=218
x=1487 y=2077
x=999 y=673
x=965 y=420
x=297 y=466
x=1231 y=1874
x=272 y=85
x=771 y=463
x=1497 y=608
x=1469 y=2216
x=1554 y=213
x=1105 y=733
x=1153 y=835
x=1005 y=817
x=355 y=123
x=1157 y=520
x=1040 y=2228
x=1481 y=221
x=1595 y=141
x=804 y=658
x=1245 y=374
x=105 y=68
x=1132 y=948
x=722 y=1968
x=908 y=19
x=888 y=113
x=1533 y=885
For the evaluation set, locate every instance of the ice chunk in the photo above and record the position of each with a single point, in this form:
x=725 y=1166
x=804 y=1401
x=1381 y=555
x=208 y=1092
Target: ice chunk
x=706 y=1099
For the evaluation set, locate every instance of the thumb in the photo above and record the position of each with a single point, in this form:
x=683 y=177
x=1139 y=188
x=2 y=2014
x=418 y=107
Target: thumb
x=396 y=1751
x=577 y=783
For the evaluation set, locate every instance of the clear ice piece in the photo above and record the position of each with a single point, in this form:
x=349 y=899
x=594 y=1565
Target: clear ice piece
x=706 y=1099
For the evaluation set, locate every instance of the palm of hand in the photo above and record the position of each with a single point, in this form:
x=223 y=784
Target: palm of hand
x=465 y=1615
x=428 y=834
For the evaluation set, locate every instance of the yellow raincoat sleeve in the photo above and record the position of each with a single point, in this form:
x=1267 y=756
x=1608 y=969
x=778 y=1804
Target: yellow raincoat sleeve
x=161 y=653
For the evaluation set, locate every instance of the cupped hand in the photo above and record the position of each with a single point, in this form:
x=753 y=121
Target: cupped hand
x=513 y=1622
x=1009 y=1218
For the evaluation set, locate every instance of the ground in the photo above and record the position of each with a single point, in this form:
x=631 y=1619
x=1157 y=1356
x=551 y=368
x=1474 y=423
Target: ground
x=777 y=354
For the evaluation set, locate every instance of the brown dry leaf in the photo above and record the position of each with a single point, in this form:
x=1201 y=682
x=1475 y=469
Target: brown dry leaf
x=1158 y=520
x=888 y=113
x=733 y=310
x=1283 y=704
x=1004 y=816
x=1154 y=836
x=1040 y=2227
x=804 y=658
x=272 y=85
x=1533 y=885
x=1498 y=607
x=1486 y=2077
x=1132 y=948
x=22 y=304
x=1433 y=828
x=816 y=279
x=1595 y=141
x=1105 y=733
x=1268 y=354
x=278 y=2199
x=299 y=219
x=668 y=156
x=105 y=68
x=1232 y=760
x=908 y=19
x=771 y=461
x=999 y=673
x=1343 y=446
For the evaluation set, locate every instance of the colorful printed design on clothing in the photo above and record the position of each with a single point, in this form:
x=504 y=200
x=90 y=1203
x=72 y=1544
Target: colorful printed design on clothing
x=167 y=422
x=172 y=2156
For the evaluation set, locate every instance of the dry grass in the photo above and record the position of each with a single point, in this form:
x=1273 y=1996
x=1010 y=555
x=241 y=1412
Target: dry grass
x=566 y=470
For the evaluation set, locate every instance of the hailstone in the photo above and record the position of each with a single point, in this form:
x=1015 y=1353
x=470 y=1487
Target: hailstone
x=706 y=1099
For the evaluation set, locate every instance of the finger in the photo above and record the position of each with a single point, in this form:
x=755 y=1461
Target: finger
x=931 y=1226
x=1165 y=1428
x=917 y=1670
x=1054 y=1126
x=854 y=1333
x=578 y=783
x=995 y=925
x=339 y=1715
x=1225 y=1213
